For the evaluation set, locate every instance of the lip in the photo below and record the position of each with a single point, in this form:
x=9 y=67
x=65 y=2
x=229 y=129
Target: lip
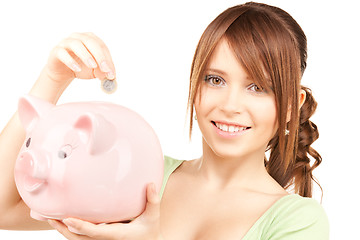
x=225 y=134
x=229 y=123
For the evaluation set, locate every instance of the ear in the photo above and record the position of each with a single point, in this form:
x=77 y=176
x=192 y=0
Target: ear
x=98 y=133
x=302 y=98
x=31 y=109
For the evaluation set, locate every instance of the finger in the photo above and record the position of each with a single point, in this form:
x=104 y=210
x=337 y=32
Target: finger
x=151 y=194
x=77 y=47
x=67 y=59
x=86 y=228
x=100 y=75
x=64 y=230
x=106 y=50
x=97 y=48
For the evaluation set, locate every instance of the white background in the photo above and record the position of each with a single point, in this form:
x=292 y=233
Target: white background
x=152 y=44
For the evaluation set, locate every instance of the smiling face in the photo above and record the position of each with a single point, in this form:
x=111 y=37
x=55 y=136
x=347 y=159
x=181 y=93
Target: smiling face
x=237 y=118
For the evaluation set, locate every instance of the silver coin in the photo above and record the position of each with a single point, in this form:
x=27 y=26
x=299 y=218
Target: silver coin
x=109 y=86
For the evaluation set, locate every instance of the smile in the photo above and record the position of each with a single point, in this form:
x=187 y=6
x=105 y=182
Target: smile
x=229 y=128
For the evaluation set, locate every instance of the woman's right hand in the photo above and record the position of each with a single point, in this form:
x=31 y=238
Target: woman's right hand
x=81 y=55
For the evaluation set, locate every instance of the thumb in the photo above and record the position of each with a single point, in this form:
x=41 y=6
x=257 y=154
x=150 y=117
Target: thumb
x=152 y=208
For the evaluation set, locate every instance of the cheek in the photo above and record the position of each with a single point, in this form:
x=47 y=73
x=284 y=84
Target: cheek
x=265 y=115
x=204 y=106
x=202 y=103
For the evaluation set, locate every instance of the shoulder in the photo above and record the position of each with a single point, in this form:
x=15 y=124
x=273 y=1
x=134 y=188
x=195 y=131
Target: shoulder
x=170 y=164
x=297 y=217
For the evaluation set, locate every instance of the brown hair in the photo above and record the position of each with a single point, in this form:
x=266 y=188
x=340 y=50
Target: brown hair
x=271 y=47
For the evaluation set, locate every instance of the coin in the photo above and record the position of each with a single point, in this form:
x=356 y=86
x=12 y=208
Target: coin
x=109 y=86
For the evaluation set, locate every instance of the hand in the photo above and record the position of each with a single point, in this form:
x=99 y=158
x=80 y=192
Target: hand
x=82 y=55
x=146 y=226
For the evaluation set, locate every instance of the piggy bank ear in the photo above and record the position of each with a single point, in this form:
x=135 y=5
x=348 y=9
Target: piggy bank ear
x=98 y=133
x=31 y=108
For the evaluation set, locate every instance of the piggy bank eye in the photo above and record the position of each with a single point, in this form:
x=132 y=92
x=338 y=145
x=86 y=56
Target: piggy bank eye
x=28 y=142
x=65 y=152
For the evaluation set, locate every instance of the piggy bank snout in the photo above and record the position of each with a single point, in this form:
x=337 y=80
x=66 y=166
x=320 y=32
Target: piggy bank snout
x=34 y=166
x=34 y=169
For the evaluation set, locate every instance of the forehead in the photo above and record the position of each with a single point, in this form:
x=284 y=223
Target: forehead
x=224 y=61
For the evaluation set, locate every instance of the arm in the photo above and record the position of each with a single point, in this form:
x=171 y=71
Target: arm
x=82 y=56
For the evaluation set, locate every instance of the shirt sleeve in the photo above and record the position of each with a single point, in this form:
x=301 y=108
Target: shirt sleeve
x=170 y=164
x=303 y=219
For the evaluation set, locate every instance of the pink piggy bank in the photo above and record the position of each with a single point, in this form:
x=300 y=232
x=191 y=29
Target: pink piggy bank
x=89 y=160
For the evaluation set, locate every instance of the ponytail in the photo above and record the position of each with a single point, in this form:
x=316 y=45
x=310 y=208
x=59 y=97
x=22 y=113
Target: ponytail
x=297 y=172
x=307 y=134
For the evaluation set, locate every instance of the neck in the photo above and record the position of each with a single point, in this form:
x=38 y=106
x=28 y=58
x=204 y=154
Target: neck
x=228 y=171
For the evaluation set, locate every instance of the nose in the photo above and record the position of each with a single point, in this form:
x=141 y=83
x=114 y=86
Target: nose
x=232 y=101
x=34 y=170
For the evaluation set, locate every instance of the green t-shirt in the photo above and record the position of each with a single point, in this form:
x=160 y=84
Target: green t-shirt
x=290 y=218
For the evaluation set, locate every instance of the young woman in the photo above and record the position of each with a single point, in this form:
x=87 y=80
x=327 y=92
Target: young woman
x=246 y=96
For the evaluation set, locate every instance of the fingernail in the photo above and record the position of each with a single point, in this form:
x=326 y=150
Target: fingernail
x=104 y=67
x=110 y=75
x=92 y=63
x=75 y=67
x=74 y=230
x=71 y=226
x=68 y=222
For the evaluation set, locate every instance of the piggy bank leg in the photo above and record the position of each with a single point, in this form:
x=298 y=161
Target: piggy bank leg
x=37 y=216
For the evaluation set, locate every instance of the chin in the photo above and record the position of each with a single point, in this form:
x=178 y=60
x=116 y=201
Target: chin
x=229 y=152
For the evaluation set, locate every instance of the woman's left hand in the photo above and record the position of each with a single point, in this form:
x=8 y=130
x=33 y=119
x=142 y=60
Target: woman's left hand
x=146 y=226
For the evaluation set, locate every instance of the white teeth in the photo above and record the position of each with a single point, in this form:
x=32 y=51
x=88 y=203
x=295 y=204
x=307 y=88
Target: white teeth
x=229 y=128
x=225 y=128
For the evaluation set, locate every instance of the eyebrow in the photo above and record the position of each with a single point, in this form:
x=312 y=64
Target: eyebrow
x=217 y=71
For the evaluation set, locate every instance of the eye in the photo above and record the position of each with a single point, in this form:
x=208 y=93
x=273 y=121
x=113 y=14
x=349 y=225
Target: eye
x=65 y=151
x=255 y=88
x=214 y=80
x=28 y=142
